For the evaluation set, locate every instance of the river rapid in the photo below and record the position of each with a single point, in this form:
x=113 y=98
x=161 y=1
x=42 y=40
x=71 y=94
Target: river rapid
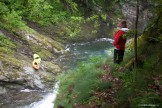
x=76 y=52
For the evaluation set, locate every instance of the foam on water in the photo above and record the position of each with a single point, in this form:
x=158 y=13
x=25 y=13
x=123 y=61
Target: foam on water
x=48 y=101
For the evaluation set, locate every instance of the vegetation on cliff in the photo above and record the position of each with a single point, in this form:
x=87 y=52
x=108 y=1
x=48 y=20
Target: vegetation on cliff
x=33 y=26
x=100 y=83
x=67 y=19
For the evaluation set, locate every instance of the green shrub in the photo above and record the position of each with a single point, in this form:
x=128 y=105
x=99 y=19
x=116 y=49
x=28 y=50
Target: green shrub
x=77 y=86
x=3 y=8
x=12 y=20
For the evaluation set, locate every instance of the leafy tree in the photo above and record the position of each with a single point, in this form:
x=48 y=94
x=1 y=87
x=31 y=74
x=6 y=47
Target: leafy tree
x=38 y=11
x=3 y=8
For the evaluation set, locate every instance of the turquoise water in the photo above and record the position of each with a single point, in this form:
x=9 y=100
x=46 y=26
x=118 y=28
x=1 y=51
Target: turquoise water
x=78 y=52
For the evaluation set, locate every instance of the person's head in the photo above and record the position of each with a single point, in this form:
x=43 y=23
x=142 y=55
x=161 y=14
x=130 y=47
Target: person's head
x=122 y=24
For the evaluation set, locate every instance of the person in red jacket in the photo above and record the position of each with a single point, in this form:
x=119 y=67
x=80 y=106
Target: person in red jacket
x=119 y=42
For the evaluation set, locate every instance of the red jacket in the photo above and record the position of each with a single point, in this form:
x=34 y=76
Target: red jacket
x=119 y=42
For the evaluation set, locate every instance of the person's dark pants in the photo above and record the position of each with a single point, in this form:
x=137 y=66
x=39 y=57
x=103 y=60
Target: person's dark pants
x=118 y=56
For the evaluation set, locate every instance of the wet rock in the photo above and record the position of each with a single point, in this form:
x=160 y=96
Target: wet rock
x=51 y=67
x=2 y=90
x=15 y=76
x=18 y=99
x=33 y=78
x=38 y=40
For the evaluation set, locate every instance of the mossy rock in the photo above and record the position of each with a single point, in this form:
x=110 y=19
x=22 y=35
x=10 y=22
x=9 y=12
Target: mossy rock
x=38 y=41
x=1 y=56
x=47 y=77
x=11 y=62
x=6 y=45
x=7 y=50
x=47 y=42
x=51 y=67
x=45 y=54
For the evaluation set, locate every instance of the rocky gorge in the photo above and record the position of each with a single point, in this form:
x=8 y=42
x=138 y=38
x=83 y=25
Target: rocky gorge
x=17 y=49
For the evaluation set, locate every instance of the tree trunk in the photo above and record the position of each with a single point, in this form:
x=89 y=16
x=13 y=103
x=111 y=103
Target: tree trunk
x=136 y=33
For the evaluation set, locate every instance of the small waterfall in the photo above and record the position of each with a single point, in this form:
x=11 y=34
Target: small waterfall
x=48 y=101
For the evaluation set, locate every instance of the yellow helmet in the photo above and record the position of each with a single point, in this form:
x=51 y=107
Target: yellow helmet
x=37 y=58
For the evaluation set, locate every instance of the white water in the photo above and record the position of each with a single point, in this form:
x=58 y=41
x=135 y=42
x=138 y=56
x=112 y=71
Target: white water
x=48 y=101
x=27 y=90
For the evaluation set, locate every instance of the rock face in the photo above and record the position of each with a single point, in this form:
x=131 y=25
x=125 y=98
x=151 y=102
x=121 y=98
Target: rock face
x=16 y=70
x=129 y=11
x=25 y=76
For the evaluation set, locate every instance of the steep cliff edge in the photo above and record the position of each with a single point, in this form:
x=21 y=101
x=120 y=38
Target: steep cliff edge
x=16 y=56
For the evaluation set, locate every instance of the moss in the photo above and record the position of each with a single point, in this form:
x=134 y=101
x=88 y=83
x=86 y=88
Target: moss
x=44 y=45
x=45 y=54
x=57 y=45
x=45 y=48
x=11 y=62
x=7 y=50
x=49 y=78
x=1 y=56
x=51 y=67
x=34 y=48
x=6 y=45
x=48 y=42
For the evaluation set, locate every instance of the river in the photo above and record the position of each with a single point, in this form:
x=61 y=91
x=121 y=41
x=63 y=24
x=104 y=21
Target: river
x=82 y=51
x=77 y=52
